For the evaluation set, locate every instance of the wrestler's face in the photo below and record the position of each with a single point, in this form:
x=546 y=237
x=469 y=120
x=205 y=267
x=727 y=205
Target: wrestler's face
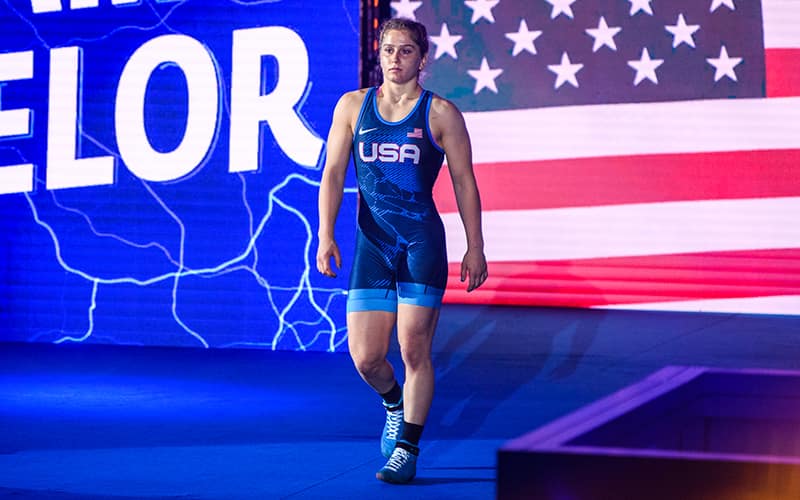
x=401 y=60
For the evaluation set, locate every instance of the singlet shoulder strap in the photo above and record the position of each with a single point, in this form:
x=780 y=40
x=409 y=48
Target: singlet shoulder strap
x=425 y=105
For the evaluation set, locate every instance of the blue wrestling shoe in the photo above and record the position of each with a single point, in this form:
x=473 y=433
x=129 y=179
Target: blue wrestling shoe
x=392 y=428
x=401 y=467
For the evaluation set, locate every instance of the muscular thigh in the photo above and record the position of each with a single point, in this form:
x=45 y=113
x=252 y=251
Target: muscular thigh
x=369 y=332
x=415 y=328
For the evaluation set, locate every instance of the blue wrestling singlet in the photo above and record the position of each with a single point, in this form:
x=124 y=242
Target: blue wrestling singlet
x=400 y=251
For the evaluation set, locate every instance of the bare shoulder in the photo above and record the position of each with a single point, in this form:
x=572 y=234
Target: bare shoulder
x=351 y=101
x=446 y=121
x=444 y=109
x=348 y=107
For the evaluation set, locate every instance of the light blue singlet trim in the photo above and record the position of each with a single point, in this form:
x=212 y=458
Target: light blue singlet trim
x=428 y=126
x=400 y=121
x=419 y=295
x=371 y=299
x=374 y=299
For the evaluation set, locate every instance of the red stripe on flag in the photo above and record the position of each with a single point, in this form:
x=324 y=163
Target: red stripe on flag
x=630 y=179
x=632 y=280
x=783 y=72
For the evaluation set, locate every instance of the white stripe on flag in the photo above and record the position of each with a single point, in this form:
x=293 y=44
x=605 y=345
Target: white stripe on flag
x=781 y=24
x=632 y=230
x=781 y=304
x=635 y=129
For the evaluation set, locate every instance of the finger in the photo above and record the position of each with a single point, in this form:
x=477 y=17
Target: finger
x=463 y=272
x=472 y=282
x=328 y=269
x=320 y=265
x=479 y=279
x=323 y=266
x=337 y=257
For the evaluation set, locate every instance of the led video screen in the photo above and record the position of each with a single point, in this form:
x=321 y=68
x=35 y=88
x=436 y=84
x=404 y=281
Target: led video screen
x=160 y=161
x=159 y=170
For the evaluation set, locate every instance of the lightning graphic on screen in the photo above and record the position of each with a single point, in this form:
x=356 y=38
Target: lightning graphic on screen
x=302 y=314
x=325 y=325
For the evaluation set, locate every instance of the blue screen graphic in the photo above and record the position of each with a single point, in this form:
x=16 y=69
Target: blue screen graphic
x=159 y=170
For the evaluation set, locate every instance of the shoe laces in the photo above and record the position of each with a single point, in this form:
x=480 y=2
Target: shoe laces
x=394 y=419
x=399 y=458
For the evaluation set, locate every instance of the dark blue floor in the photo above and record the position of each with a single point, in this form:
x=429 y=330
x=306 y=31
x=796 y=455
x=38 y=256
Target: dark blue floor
x=92 y=421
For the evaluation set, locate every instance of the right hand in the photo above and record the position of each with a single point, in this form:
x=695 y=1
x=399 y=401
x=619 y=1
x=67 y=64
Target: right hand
x=328 y=248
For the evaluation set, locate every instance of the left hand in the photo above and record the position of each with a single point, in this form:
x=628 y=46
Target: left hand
x=474 y=266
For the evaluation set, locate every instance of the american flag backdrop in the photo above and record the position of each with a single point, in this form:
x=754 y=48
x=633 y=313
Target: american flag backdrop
x=630 y=153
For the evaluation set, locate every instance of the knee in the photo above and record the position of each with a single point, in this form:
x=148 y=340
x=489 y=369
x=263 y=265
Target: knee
x=415 y=356
x=368 y=365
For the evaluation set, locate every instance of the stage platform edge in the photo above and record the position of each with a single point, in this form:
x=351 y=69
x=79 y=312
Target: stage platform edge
x=685 y=432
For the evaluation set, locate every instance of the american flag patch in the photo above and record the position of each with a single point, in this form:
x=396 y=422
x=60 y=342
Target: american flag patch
x=415 y=134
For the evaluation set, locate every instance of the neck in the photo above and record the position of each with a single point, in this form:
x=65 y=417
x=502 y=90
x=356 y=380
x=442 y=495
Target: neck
x=398 y=93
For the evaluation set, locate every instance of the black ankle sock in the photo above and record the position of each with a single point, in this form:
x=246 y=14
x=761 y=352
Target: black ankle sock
x=394 y=396
x=411 y=448
x=411 y=434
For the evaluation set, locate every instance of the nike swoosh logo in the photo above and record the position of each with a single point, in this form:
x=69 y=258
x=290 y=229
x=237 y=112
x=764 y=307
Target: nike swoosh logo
x=362 y=131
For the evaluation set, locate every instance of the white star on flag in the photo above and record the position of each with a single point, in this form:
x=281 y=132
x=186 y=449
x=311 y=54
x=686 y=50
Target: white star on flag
x=724 y=65
x=682 y=32
x=643 y=5
x=406 y=8
x=484 y=77
x=561 y=7
x=603 y=35
x=717 y=3
x=645 y=67
x=445 y=43
x=481 y=9
x=523 y=39
x=565 y=72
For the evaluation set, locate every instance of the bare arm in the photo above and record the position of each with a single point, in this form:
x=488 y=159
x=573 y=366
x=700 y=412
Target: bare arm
x=331 y=190
x=450 y=132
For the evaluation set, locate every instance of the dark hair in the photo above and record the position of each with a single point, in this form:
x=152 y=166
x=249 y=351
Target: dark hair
x=417 y=31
